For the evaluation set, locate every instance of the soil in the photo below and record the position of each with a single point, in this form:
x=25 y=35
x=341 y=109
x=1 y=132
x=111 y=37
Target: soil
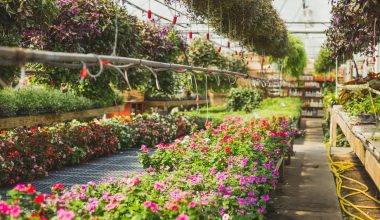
x=359 y=173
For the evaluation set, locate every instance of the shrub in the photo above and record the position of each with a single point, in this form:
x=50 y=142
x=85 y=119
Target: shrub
x=8 y=106
x=32 y=101
x=245 y=99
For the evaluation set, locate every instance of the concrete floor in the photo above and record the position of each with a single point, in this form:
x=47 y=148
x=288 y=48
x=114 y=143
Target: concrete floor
x=308 y=192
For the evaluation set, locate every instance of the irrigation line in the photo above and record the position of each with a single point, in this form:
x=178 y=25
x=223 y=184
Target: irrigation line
x=22 y=56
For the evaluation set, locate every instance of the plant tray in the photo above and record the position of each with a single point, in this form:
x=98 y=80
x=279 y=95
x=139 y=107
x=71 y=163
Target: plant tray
x=46 y=119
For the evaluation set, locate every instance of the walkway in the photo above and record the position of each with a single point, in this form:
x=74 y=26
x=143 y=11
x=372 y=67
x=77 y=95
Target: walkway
x=115 y=166
x=309 y=189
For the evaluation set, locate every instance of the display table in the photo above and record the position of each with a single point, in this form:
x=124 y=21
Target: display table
x=366 y=147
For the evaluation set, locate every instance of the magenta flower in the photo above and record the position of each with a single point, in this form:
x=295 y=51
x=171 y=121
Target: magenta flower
x=241 y=201
x=261 y=210
x=221 y=188
x=182 y=217
x=4 y=208
x=265 y=198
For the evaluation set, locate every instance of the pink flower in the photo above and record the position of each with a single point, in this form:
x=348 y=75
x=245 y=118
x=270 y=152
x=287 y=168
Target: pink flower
x=14 y=211
x=265 y=198
x=20 y=187
x=147 y=204
x=65 y=215
x=105 y=196
x=174 y=208
x=261 y=210
x=144 y=149
x=192 y=205
x=111 y=206
x=158 y=186
x=182 y=217
x=154 y=207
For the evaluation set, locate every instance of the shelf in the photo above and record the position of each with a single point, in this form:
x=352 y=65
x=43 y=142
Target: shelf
x=310 y=116
x=308 y=107
x=313 y=97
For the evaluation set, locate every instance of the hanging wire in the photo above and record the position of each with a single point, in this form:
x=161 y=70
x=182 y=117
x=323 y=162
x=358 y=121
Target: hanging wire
x=100 y=70
x=196 y=93
x=22 y=77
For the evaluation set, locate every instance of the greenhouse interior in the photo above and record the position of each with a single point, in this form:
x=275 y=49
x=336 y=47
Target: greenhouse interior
x=190 y=109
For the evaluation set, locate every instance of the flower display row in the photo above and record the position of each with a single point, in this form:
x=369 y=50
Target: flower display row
x=26 y=154
x=225 y=171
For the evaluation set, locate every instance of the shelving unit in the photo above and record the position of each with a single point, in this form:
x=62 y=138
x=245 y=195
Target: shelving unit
x=306 y=88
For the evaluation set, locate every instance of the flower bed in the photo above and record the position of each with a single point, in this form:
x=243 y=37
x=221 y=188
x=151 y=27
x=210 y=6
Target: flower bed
x=26 y=154
x=225 y=172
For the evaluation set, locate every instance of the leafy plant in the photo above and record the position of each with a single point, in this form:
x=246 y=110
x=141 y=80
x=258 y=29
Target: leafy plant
x=31 y=101
x=324 y=62
x=353 y=26
x=245 y=99
x=255 y=24
x=295 y=60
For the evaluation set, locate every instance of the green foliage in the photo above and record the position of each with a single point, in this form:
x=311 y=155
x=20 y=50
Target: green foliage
x=360 y=103
x=18 y=15
x=295 y=59
x=324 y=62
x=31 y=101
x=289 y=107
x=202 y=53
x=245 y=99
x=255 y=24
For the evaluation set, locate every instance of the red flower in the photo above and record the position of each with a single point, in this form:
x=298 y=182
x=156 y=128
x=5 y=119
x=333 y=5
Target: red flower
x=39 y=198
x=30 y=189
x=35 y=215
x=57 y=186
x=228 y=150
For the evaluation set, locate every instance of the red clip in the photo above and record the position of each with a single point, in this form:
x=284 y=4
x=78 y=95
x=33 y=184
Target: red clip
x=83 y=73
x=228 y=44
x=105 y=62
x=191 y=35
x=149 y=14
x=208 y=36
x=175 y=20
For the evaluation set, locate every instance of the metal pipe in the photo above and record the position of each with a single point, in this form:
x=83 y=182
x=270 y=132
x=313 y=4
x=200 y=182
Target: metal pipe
x=20 y=55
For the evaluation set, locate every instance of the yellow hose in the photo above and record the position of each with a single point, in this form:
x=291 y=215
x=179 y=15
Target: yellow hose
x=338 y=168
